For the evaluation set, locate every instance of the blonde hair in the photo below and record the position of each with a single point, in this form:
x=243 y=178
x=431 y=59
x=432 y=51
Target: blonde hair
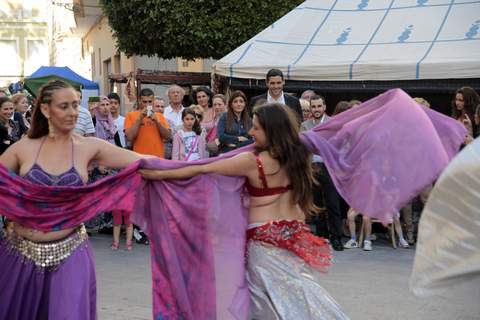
x=221 y=97
x=354 y=102
x=197 y=108
x=304 y=103
x=17 y=97
x=422 y=101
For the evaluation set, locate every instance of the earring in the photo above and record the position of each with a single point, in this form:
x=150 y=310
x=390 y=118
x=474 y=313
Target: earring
x=51 y=131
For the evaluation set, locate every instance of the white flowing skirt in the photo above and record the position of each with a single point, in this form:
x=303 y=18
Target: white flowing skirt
x=283 y=286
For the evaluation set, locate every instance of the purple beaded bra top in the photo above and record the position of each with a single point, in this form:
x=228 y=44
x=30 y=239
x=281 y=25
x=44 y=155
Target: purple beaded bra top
x=37 y=175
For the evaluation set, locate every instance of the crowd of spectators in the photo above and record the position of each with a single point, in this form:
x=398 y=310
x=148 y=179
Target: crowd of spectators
x=215 y=124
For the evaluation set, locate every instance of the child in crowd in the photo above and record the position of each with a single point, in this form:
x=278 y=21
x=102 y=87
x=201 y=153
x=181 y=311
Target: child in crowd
x=398 y=229
x=117 y=224
x=189 y=143
x=367 y=243
x=367 y=223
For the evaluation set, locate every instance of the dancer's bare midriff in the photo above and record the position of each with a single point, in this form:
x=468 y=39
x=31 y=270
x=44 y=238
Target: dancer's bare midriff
x=37 y=235
x=275 y=207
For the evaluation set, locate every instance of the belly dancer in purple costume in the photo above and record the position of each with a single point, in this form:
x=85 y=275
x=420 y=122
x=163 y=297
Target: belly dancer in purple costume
x=51 y=275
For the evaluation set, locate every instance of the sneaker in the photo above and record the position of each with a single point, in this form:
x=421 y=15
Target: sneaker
x=403 y=244
x=367 y=245
x=351 y=244
x=140 y=237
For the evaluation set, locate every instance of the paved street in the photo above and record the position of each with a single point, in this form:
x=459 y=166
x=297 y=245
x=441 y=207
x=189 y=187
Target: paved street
x=368 y=285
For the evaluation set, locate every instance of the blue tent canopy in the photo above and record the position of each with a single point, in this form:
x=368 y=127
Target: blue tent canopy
x=67 y=73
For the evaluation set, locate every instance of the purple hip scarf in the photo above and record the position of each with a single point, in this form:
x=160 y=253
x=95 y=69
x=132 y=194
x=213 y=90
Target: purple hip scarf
x=52 y=280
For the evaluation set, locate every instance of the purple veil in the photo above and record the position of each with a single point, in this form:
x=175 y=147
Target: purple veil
x=383 y=152
x=379 y=154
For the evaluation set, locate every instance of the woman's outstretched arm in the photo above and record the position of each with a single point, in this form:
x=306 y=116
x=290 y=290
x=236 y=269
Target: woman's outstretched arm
x=241 y=165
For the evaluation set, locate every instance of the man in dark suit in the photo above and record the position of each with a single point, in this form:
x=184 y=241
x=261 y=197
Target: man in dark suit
x=324 y=193
x=275 y=83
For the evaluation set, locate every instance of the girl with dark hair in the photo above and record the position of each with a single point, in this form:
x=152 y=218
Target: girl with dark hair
x=233 y=126
x=203 y=97
x=46 y=275
x=464 y=105
x=188 y=142
x=280 y=246
x=10 y=130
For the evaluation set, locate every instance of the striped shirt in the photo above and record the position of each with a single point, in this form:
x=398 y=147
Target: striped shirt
x=84 y=124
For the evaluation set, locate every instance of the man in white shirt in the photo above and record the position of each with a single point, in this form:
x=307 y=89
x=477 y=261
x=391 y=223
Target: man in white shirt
x=275 y=83
x=119 y=120
x=173 y=111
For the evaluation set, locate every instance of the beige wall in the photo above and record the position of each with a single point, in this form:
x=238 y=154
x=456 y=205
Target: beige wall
x=100 y=52
x=102 y=56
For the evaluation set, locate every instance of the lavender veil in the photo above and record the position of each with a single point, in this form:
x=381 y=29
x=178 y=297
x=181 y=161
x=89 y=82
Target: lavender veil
x=379 y=154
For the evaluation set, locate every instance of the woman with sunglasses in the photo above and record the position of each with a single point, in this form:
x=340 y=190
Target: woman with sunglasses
x=189 y=141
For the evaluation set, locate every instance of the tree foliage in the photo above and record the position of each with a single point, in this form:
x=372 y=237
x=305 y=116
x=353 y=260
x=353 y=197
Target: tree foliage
x=189 y=28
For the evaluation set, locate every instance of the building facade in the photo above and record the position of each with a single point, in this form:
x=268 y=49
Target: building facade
x=98 y=47
x=24 y=38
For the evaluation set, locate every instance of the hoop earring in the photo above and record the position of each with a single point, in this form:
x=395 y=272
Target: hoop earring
x=51 y=130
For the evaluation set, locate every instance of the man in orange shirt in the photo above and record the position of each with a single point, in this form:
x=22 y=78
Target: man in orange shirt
x=146 y=129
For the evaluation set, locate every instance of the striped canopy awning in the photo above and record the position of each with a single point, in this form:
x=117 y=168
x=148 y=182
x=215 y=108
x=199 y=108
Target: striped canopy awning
x=352 y=40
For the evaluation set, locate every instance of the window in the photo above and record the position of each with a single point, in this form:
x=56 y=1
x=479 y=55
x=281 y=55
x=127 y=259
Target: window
x=107 y=69
x=37 y=55
x=10 y=65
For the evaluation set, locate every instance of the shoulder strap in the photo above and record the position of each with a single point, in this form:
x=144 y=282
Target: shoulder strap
x=73 y=155
x=261 y=172
x=39 y=149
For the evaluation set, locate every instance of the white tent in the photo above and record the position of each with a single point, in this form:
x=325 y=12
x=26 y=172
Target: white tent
x=351 y=40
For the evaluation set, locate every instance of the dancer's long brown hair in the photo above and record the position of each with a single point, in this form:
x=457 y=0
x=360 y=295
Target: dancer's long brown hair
x=284 y=144
x=39 y=126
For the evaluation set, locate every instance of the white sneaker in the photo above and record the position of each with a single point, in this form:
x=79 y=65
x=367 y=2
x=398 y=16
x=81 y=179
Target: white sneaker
x=351 y=244
x=367 y=245
x=403 y=244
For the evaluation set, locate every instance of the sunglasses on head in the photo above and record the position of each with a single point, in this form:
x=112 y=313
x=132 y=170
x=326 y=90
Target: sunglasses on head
x=199 y=116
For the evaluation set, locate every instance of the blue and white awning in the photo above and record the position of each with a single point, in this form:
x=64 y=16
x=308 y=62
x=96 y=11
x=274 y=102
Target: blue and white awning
x=365 y=40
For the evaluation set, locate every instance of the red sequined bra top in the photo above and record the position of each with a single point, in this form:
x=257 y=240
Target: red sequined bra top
x=265 y=191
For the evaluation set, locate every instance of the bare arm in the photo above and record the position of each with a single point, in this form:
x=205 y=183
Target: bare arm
x=164 y=132
x=111 y=156
x=131 y=133
x=240 y=165
x=9 y=158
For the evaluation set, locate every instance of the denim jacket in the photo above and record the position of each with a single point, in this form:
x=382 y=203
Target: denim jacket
x=229 y=139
